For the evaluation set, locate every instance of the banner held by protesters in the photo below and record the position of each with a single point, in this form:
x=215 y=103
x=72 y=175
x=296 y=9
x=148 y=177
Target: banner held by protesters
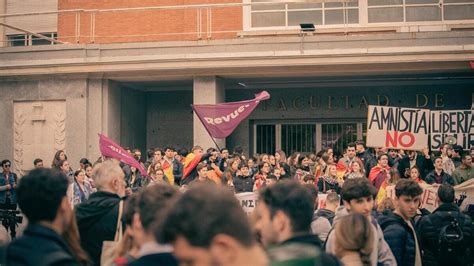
x=110 y=149
x=398 y=128
x=455 y=124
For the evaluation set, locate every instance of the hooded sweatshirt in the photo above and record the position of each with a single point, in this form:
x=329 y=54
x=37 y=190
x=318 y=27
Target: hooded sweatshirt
x=382 y=255
x=97 y=222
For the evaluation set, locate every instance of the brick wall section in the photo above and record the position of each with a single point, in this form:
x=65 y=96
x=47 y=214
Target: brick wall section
x=150 y=25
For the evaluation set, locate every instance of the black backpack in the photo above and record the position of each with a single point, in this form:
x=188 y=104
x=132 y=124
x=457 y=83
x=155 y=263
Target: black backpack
x=451 y=247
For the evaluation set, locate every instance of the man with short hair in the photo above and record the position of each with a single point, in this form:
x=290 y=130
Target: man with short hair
x=398 y=227
x=344 y=165
x=423 y=162
x=456 y=155
x=223 y=159
x=38 y=163
x=152 y=204
x=465 y=171
x=358 y=197
x=202 y=169
x=364 y=155
x=207 y=226
x=42 y=199
x=434 y=228
x=8 y=181
x=97 y=217
x=324 y=217
x=167 y=164
x=438 y=175
x=283 y=220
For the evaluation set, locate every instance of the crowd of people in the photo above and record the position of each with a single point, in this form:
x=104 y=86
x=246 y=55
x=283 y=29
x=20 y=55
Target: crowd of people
x=184 y=210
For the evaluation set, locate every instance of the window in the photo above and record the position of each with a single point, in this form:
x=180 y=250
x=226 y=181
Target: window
x=293 y=14
x=306 y=137
x=28 y=39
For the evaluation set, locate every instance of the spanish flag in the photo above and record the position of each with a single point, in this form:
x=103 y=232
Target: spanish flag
x=190 y=162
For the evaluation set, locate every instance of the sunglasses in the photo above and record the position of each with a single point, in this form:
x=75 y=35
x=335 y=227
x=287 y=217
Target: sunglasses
x=7 y=165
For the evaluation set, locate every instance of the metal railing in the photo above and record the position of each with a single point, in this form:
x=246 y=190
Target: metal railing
x=200 y=21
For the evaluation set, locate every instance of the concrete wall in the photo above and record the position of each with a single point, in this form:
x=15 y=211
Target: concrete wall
x=133 y=119
x=73 y=91
x=169 y=119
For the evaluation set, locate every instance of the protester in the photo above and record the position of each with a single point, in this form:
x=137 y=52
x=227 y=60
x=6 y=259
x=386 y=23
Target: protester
x=438 y=175
x=446 y=153
x=324 y=217
x=399 y=228
x=202 y=174
x=379 y=173
x=345 y=164
x=261 y=177
x=190 y=162
x=66 y=169
x=167 y=164
x=38 y=163
x=446 y=235
x=356 y=171
x=97 y=217
x=358 y=197
x=80 y=190
x=153 y=204
x=465 y=171
x=364 y=155
x=59 y=156
x=243 y=182
x=207 y=226
x=354 y=240
x=8 y=181
x=456 y=155
x=280 y=156
x=231 y=171
x=423 y=162
x=42 y=199
x=415 y=175
x=284 y=215
x=302 y=168
x=178 y=165
x=135 y=181
x=330 y=182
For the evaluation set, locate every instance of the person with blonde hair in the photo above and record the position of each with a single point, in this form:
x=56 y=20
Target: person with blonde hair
x=354 y=237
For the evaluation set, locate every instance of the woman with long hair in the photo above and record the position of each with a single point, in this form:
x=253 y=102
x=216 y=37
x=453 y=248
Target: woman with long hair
x=356 y=170
x=80 y=188
x=230 y=172
x=354 y=240
x=261 y=177
x=330 y=181
x=59 y=156
x=415 y=175
x=88 y=172
x=280 y=156
x=302 y=168
x=71 y=237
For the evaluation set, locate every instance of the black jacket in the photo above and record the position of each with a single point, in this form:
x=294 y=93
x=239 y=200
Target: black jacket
x=39 y=246
x=429 y=229
x=97 y=221
x=445 y=178
x=399 y=237
x=368 y=160
x=159 y=259
x=178 y=168
x=243 y=184
x=425 y=166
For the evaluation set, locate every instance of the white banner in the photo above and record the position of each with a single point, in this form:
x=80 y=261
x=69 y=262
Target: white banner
x=248 y=201
x=398 y=128
x=453 y=127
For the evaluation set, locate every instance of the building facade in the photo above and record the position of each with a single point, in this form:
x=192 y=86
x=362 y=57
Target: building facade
x=131 y=70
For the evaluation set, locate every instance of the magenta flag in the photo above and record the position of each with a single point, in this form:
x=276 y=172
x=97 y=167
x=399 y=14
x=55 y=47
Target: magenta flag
x=221 y=119
x=110 y=149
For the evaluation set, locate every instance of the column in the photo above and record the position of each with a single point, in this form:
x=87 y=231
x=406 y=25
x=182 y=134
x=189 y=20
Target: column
x=206 y=90
x=3 y=37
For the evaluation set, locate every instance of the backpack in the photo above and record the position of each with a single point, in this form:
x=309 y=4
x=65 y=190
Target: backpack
x=451 y=246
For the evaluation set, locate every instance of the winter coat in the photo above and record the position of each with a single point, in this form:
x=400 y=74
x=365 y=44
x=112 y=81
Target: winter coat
x=445 y=178
x=243 y=184
x=39 y=246
x=382 y=255
x=326 y=183
x=367 y=159
x=429 y=229
x=425 y=165
x=97 y=222
x=399 y=237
